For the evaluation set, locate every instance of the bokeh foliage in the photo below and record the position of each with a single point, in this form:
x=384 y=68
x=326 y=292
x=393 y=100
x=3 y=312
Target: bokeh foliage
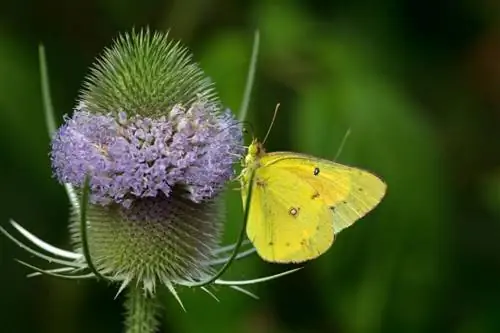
x=418 y=83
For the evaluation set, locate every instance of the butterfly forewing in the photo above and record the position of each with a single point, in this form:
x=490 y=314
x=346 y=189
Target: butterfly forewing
x=349 y=193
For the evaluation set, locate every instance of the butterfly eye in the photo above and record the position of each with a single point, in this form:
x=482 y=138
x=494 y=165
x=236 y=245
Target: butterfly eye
x=316 y=171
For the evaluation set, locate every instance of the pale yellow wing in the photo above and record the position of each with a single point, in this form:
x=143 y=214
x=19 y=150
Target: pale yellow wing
x=349 y=192
x=285 y=224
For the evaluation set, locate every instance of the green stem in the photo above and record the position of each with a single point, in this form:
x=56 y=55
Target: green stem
x=48 y=109
x=250 y=77
x=83 y=228
x=238 y=242
x=143 y=311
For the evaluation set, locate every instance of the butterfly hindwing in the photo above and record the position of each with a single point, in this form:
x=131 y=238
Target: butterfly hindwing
x=285 y=223
x=350 y=193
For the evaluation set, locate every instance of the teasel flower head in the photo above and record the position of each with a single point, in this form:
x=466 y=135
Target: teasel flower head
x=144 y=159
x=158 y=148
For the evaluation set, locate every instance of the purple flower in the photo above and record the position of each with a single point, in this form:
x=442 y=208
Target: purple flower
x=191 y=150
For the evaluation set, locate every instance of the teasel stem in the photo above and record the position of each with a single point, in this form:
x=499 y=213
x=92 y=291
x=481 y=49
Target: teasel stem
x=143 y=310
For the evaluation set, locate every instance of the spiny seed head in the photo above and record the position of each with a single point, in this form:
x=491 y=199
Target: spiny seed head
x=145 y=73
x=151 y=134
x=155 y=241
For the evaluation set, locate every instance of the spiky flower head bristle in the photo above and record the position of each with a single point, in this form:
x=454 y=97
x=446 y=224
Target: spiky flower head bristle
x=150 y=133
x=145 y=73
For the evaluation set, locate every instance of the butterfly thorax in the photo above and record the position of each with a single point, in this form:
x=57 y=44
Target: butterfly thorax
x=254 y=153
x=251 y=162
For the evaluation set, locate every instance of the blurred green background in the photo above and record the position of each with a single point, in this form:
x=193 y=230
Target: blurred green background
x=418 y=83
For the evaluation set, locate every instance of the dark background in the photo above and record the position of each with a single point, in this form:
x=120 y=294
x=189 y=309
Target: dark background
x=418 y=83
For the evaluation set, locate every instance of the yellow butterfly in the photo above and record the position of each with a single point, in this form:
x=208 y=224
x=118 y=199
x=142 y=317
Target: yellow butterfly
x=300 y=202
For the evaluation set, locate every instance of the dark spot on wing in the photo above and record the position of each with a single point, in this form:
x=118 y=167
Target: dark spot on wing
x=270 y=243
x=287 y=244
x=332 y=208
x=316 y=171
x=294 y=211
x=315 y=195
x=344 y=202
x=360 y=189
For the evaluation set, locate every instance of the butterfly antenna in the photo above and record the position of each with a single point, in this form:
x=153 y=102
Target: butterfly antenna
x=248 y=129
x=342 y=143
x=244 y=129
x=272 y=122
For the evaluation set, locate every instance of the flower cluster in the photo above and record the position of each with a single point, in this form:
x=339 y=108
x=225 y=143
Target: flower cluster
x=127 y=158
